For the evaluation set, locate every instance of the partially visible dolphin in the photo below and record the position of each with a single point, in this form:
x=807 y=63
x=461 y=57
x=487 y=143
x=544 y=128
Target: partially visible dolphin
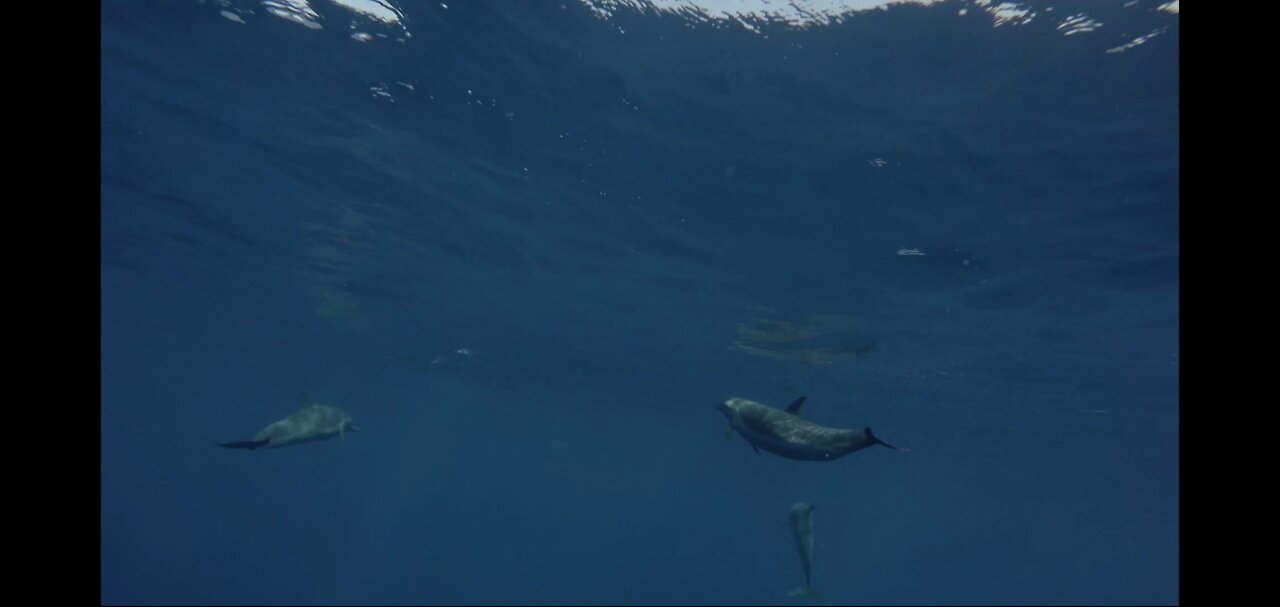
x=787 y=434
x=802 y=531
x=313 y=423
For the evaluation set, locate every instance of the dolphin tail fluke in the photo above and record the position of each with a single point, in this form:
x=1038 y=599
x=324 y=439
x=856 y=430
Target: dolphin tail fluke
x=876 y=441
x=246 y=444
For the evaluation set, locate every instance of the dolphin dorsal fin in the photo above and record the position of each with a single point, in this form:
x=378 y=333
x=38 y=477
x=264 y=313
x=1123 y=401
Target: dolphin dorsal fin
x=304 y=397
x=794 y=407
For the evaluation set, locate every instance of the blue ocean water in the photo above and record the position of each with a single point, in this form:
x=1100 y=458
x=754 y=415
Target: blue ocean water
x=528 y=246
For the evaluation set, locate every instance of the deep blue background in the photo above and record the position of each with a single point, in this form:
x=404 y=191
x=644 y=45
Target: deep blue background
x=593 y=222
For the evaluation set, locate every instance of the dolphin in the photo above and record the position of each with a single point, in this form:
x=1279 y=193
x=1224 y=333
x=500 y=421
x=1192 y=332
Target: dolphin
x=312 y=423
x=802 y=531
x=787 y=434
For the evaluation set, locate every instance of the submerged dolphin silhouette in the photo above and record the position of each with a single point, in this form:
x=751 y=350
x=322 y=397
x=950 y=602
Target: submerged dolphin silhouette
x=313 y=423
x=802 y=531
x=787 y=434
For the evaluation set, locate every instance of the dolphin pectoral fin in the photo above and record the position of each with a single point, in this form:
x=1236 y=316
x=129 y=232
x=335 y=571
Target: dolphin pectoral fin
x=794 y=407
x=753 y=446
x=875 y=441
x=246 y=444
x=729 y=433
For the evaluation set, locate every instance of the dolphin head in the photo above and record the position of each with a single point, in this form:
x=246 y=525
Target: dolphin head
x=731 y=409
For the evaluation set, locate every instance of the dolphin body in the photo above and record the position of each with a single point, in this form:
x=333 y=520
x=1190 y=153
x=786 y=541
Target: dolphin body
x=787 y=434
x=312 y=423
x=802 y=530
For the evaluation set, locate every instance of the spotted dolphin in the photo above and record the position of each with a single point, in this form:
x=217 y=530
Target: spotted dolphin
x=802 y=531
x=312 y=423
x=787 y=434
